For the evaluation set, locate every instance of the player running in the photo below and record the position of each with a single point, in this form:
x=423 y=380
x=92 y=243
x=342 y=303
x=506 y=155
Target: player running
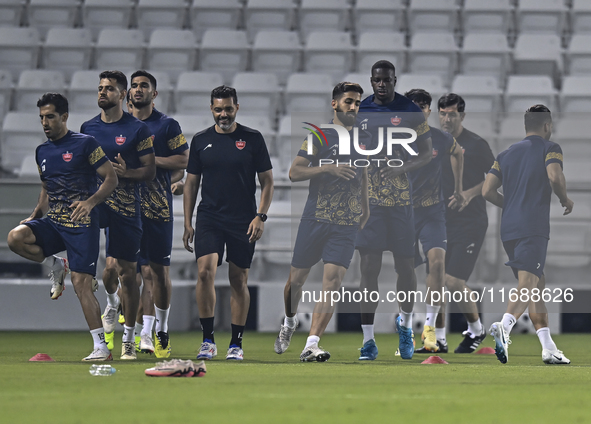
x=528 y=171
x=337 y=207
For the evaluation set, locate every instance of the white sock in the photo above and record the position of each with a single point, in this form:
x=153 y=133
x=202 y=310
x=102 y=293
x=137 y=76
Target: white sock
x=406 y=319
x=546 y=339
x=475 y=328
x=440 y=334
x=128 y=334
x=53 y=262
x=148 y=324
x=508 y=322
x=312 y=340
x=113 y=300
x=290 y=321
x=161 y=319
x=432 y=311
x=98 y=338
x=367 y=332
x=138 y=329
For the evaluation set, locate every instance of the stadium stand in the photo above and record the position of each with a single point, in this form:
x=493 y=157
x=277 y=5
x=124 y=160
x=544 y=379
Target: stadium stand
x=47 y=14
x=427 y=15
x=259 y=93
x=379 y=16
x=482 y=93
x=580 y=16
x=541 y=16
x=433 y=53
x=67 y=50
x=329 y=53
x=268 y=15
x=119 y=49
x=5 y=93
x=214 y=14
x=374 y=46
x=538 y=54
x=323 y=15
x=172 y=51
x=98 y=15
x=19 y=49
x=224 y=51
x=11 y=12
x=307 y=92
x=524 y=91
x=21 y=134
x=278 y=52
x=578 y=55
x=32 y=84
x=575 y=96
x=486 y=54
x=192 y=93
x=158 y=15
x=487 y=16
x=83 y=91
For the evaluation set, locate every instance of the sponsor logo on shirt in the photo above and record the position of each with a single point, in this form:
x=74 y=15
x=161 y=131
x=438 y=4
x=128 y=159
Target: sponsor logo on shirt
x=120 y=140
x=240 y=144
x=67 y=156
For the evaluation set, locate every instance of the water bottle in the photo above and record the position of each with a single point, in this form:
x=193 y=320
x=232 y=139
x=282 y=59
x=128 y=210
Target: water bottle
x=102 y=370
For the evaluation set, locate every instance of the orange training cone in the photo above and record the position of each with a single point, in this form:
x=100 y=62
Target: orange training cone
x=486 y=351
x=41 y=357
x=434 y=360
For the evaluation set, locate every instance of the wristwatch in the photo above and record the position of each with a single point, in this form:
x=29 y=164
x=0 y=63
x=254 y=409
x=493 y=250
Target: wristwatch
x=263 y=216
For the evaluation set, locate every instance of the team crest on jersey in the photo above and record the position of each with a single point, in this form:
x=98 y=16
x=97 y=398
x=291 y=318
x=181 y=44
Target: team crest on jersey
x=396 y=120
x=67 y=156
x=120 y=140
x=362 y=146
x=240 y=144
x=435 y=152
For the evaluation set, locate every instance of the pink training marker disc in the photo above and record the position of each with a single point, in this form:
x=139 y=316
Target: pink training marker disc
x=486 y=351
x=41 y=357
x=434 y=360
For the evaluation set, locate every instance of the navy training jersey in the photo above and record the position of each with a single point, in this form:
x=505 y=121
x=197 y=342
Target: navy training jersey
x=156 y=196
x=478 y=159
x=133 y=139
x=426 y=181
x=228 y=165
x=402 y=113
x=526 y=187
x=332 y=199
x=68 y=168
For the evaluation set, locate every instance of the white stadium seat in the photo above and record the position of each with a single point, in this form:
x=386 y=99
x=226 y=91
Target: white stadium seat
x=193 y=92
x=541 y=16
x=32 y=84
x=432 y=16
x=487 y=16
x=581 y=17
x=21 y=134
x=278 y=52
x=47 y=14
x=578 y=55
x=19 y=49
x=193 y=123
x=486 y=54
x=258 y=93
x=101 y=14
x=308 y=92
x=575 y=96
x=156 y=14
x=431 y=83
x=5 y=92
x=11 y=12
x=268 y=15
x=378 y=16
x=119 y=49
x=525 y=91
x=224 y=51
x=67 y=50
x=433 y=53
x=214 y=14
x=83 y=92
x=323 y=15
x=538 y=54
x=329 y=53
x=172 y=51
x=481 y=93
x=374 y=46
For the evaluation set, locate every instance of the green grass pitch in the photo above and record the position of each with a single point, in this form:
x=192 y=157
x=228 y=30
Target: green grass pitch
x=271 y=388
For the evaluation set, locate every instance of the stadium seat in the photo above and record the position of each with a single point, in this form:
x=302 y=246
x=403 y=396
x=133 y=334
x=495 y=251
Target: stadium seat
x=75 y=119
x=32 y=84
x=260 y=123
x=569 y=245
x=194 y=123
x=286 y=148
x=487 y=16
x=268 y=15
x=193 y=92
x=581 y=17
x=525 y=91
x=67 y=50
x=572 y=133
x=83 y=92
x=258 y=93
x=538 y=54
x=47 y=14
x=433 y=53
x=21 y=134
x=512 y=130
x=328 y=53
x=101 y=14
x=486 y=54
x=479 y=123
x=11 y=12
x=431 y=83
x=224 y=51
x=156 y=14
x=19 y=49
x=481 y=93
x=172 y=51
x=430 y=16
x=578 y=55
x=575 y=96
x=323 y=15
x=361 y=78
x=119 y=49
x=5 y=93
x=28 y=167
x=374 y=46
x=541 y=16
x=308 y=92
x=378 y=16
x=277 y=52
x=214 y=14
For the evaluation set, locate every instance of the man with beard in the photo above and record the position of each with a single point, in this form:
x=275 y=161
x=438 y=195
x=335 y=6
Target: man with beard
x=224 y=159
x=391 y=224
x=337 y=207
x=172 y=154
x=127 y=142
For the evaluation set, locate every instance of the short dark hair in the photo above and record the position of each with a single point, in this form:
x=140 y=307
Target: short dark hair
x=536 y=116
x=451 y=99
x=142 y=73
x=56 y=99
x=224 y=92
x=343 y=87
x=418 y=95
x=128 y=97
x=383 y=64
x=118 y=76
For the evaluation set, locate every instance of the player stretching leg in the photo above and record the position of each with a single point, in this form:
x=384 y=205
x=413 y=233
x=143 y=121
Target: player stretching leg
x=528 y=171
